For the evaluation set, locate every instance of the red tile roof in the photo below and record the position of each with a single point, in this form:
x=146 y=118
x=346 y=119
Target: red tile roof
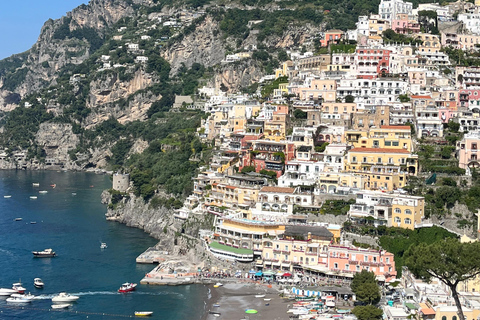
x=421 y=97
x=379 y=150
x=395 y=127
x=277 y=190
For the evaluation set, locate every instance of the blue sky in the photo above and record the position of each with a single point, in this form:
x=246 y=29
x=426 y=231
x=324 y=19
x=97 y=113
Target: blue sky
x=21 y=21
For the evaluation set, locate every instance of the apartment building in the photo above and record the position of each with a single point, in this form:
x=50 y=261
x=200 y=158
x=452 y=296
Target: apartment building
x=468 y=150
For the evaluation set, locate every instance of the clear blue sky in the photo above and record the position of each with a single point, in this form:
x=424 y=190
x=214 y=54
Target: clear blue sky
x=21 y=21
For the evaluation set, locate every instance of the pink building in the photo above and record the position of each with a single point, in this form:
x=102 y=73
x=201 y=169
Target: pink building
x=349 y=259
x=468 y=150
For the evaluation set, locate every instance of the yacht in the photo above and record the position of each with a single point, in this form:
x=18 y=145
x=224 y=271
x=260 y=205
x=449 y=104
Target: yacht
x=36 y=184
x=18 y=300
x=6 y=292
x=103 y=245
x=43 y=191
x=27 y=296
x=38 y=283
x=33 y=197
x=47 y=253
x=65 y=297
x=7 y=196
x=61 y=306
x=18 y=287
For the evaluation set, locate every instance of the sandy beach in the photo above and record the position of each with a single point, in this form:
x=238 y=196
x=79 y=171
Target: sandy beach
x=234 y=298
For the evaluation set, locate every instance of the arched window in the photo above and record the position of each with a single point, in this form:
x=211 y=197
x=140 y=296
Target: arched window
x=444 y=318
x=397 y=210
x=408 y=221
x=454 y=318
x=408 y=211
x=397 y=219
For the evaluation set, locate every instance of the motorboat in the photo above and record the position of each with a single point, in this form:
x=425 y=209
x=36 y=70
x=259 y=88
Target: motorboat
x=47 y=253
x=43 y=191
x=6 y=292
x=28 y=296
x=61 y=306
x=36 y=184
x=260 y=296
x=127 y=287
x=18 y=300
x=33 y=222
x=7 y=196
x=18 y=219
x=33 y=197
x=217 y=285
x=65 y=297
x=143 y=313
x=103 y=245
x=38 y=283
x=18 y=287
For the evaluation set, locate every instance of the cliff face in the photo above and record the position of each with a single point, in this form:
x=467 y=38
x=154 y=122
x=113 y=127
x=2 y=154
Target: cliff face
x=52 y=51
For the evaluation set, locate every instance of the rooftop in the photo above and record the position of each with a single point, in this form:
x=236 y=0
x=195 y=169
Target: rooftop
x=379 y=150
x=218 y=246
x=277 y=189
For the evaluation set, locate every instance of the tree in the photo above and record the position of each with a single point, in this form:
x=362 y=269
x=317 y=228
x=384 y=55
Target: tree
x=300 y=114
x=403 y=98
x=367 y=312
x=453 y=126
x=368 y=292
x=360 y=278
x=349 y=99
x=448 y=260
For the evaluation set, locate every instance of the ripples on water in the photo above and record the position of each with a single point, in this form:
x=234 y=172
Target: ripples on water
x=74 y=226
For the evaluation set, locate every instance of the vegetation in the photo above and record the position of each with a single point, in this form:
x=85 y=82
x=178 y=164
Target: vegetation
x=449 y=261
x=390 y=36
x=364 y=285
x=336 y=207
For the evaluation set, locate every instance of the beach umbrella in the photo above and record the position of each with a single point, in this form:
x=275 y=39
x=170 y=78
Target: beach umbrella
x=251 y=311
x=258 y=274
x=287 y=274
x=268 y=273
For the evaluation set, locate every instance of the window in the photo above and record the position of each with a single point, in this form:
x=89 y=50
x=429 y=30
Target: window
x=365 y=258
x=286 y=248
x=397 y=220
x=388 y=143
x=354 y=159
x=408 y=221
x=397 y=210
x=390 y=160
x=395 y=143
x=335 y=265
x=379 y=160
x=408 y=211
x=347 y=267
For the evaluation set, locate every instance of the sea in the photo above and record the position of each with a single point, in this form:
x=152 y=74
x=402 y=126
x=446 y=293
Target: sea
x=70 y=219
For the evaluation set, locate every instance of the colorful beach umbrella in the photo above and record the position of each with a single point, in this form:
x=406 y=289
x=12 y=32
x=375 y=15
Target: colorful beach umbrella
x=287 y=274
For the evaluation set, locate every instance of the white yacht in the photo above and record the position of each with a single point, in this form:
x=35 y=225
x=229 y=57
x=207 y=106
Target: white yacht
x=65 y=297
x=6 y=292
x=103 y=245
x=38 y=283
x=18 y=300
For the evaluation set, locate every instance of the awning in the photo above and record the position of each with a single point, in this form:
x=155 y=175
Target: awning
x=268 y=273
x=258 y=274
x=287 y=274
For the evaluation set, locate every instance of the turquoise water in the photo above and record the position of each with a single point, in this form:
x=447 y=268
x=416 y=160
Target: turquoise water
x=74 y=226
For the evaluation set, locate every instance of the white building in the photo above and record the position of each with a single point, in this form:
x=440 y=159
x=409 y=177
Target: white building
x=389 y=9
x=471 y=22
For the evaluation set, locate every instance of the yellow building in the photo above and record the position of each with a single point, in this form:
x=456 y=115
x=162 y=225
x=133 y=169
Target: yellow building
x=472 y=285
x=388 y=137
x=407 y=211
x=339 y=108
x=276 y=128
x=298 y=246
x=451 y=312
x=386 y=169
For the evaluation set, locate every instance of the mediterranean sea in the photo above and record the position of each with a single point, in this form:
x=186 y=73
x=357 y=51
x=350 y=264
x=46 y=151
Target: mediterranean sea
x=70 y=219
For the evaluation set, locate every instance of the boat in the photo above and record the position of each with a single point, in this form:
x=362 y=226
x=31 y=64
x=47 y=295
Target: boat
x=216 y=305
x=38 y=283
x=53 y=185
x=43 y=191
x=267 y=299
x=7 y=197
x=65 y=297
x=33 y=222
x=61 y=306
x=18 y=287
x=74 y=193
x=47 y=253
x=127 y=287
x=217 y=285
x=18 y=300
x=143 y=313
x=28 y=296
x=18 y=219
x=103 y=245
x=6 y=292
x=36 y=184
x=33 y=197
x=260 y=296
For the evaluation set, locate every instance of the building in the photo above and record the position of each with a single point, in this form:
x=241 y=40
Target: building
x=390 y=9
x=392 y=210
x=121 y=182
x=332 y=37
x=467 y=150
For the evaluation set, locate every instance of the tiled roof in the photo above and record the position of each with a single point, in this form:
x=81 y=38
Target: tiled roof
x=396 y=127
x=277 y=190
x=379 y=150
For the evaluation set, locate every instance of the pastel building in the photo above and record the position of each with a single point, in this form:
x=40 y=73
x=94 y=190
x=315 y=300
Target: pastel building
x=468 y=150
x=350 y=259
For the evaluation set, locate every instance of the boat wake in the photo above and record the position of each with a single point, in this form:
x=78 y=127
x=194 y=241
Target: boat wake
x=6 y=252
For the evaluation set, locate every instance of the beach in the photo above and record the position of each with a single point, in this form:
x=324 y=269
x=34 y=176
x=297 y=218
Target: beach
x=234 y=298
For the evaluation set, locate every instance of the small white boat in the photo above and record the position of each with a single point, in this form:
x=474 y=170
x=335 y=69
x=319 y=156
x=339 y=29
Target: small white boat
x=74 y=193
x=18 y=300
x=47 y=253
x=33 y=222
x=267 y=299
x=7 y=197
x=28 y=296
x=43 y=191
x=65 y=297
x=18 y=287
x=103 y=245
x=143 y=313
x=36 y=184
x=33 y=197
x=38 y=283
x=60 y=306
x=18 y=219
x=259 y=296
x=6 y=292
